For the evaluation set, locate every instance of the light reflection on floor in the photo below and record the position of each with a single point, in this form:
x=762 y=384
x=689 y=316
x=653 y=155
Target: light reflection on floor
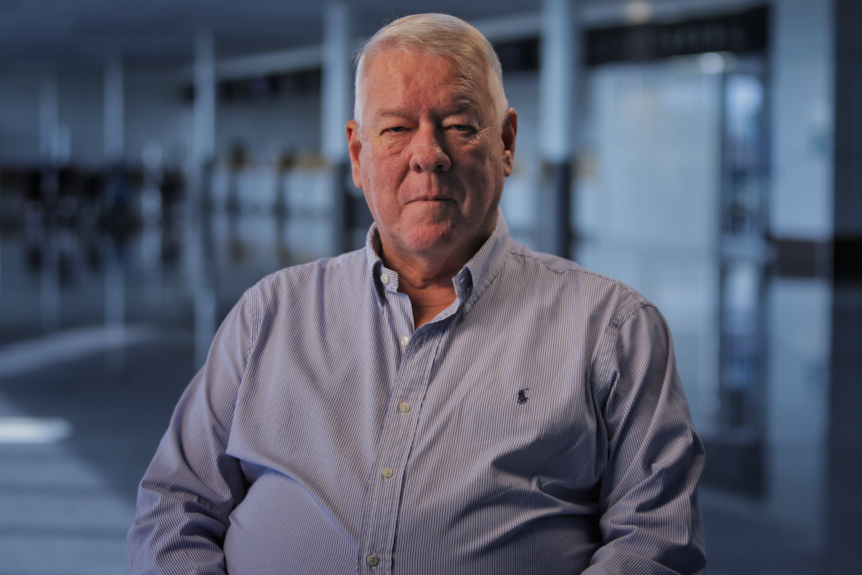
x=20 y=430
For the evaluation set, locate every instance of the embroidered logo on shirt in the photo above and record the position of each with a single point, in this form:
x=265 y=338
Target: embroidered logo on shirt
x=522 y=396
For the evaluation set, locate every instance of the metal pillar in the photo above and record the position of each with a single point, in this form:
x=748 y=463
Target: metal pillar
x=557 y=127
x=337 y=86
x=49 y=145
x=203 y=153
x=334 y=110
x=114 y=144
x=203 y=115
x=114 y=120
x=350 y=214
x=49 y=115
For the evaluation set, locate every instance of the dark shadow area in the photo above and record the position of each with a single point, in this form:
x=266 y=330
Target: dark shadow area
x=118 y=414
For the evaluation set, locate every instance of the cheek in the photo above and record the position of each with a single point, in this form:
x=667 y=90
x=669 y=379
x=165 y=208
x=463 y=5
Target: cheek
x=483 y=173
x=383 y=174
x=368 y=174
x=377 y=186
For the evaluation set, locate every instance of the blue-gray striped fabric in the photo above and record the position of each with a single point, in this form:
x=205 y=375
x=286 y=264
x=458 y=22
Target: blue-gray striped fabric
x=536 y=426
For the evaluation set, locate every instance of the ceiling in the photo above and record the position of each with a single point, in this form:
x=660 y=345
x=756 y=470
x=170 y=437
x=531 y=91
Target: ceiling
x=82 y=32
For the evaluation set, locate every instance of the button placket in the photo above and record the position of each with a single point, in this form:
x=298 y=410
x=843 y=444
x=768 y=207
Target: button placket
x=399 y=430
x=382 y=505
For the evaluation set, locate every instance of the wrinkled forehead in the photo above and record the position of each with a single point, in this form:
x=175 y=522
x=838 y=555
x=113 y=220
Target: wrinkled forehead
x=402 y=63
x=460 y=56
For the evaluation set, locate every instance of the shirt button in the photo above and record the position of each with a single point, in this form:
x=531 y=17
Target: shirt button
x=384 y=278
x=403 y=407
x=372 y=560
x=404 y=341
x=386 y=473
x=467 y=307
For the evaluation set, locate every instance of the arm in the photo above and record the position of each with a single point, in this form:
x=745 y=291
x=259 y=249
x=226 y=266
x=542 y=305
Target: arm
x=650 y=521
x=192 y=485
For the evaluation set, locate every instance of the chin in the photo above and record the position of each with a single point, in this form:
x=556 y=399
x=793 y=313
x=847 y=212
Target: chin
x=430 y=237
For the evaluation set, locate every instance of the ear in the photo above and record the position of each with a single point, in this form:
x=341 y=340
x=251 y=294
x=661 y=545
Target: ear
x=354 y=146
x=510 y=131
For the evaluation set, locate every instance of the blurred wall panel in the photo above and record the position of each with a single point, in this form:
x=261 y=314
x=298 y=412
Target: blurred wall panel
x=845 y=431
x=81 y=109
x=647 y=203
x=156 y=112
x=519 y=195
x=284 y=122
x=800 y=210
x=801 y=203
x=19 y=114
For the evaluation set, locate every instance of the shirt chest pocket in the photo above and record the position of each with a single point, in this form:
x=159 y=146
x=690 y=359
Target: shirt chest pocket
x=522 y=429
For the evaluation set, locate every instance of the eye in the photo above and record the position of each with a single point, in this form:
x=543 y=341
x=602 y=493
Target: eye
x=394 y=129
x=467 y=131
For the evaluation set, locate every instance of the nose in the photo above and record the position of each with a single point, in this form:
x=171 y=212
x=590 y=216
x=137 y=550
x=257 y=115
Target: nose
x=428 y=154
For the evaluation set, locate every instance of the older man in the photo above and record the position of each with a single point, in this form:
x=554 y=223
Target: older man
x=443 y=401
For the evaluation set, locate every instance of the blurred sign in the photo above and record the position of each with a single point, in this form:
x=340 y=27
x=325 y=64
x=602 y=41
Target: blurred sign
x=741 y=32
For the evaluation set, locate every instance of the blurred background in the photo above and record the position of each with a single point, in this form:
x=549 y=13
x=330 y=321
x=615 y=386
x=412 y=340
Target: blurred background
x=158 y=158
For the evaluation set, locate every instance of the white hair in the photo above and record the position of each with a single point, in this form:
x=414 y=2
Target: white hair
x=439 y=35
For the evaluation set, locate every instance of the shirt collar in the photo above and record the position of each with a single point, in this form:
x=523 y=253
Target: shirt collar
x=469 y=283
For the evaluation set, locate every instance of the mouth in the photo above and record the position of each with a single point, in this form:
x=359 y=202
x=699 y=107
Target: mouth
x=436 y=205
x=431 y=198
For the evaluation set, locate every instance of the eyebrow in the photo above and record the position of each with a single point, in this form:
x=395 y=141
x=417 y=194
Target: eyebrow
x=464 y=106
x=390 y=112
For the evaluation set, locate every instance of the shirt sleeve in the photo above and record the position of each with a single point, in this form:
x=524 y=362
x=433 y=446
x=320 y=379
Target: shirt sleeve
x=190 y=488
x=650 y=517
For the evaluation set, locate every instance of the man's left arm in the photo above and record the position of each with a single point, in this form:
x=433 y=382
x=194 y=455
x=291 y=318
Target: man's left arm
x=651 y=522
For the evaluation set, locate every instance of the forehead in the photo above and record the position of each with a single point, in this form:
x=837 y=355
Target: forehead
x=398 y=77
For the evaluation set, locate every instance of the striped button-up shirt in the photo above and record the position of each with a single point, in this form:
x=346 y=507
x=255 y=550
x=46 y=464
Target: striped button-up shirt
x=535 y=426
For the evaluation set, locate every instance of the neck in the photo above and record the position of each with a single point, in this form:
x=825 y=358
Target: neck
x=429 y=286
x=427 y=277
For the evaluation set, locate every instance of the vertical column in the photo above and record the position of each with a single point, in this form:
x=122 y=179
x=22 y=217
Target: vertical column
x=114 y=108
x=557 y=114
x=335 y=111
x=203 y=114
x=201 y=274
x=336 y=92
x=117 y=190
x=49 y=147
x=845 y=424
x=799 y=96
x=49 y=115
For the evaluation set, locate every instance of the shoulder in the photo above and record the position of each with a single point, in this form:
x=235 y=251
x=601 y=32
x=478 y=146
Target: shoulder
x=550 y=274
x=350 y=266
x=297 y=290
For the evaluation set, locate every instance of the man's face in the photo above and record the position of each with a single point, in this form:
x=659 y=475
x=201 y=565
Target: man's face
x=431 y=156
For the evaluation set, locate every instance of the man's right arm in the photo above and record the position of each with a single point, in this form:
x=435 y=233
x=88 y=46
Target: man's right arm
x=192 y=485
